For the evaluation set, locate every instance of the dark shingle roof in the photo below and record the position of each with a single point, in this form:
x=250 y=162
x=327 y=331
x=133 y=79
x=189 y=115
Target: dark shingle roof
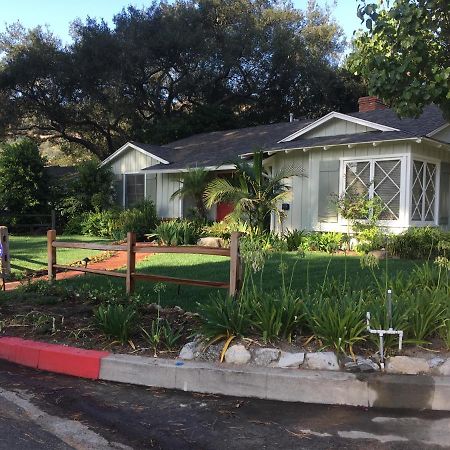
x=222 y=147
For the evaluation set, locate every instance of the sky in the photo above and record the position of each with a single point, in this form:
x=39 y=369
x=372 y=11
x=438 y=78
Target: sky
x=58 y=14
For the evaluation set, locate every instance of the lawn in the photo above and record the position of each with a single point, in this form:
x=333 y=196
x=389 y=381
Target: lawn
x=217 y=268
x=30 y=252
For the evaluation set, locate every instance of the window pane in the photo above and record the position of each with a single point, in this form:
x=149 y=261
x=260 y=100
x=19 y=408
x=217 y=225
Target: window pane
x=417 y=190
x=134 y=189
x=387 y=187
x=357 y=177
x=430 y=191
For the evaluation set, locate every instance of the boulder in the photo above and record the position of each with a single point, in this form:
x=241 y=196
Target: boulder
x=407 y=365
x=444 y=369
x=361 y=365
x=237 y=354
x=189 y=351
x=321 y=361
x=211 y=242
x=436 y=362
x=291 y=360
x=264 y=356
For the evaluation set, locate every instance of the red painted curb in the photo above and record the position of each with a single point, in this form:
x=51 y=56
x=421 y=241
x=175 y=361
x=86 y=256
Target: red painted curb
x=52 y=357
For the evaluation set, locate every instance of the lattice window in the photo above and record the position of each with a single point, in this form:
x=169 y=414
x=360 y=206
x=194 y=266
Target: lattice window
x=423 y=201
x=379 y=179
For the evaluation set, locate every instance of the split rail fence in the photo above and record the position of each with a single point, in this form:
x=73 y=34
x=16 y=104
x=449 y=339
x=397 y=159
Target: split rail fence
x=132 y=248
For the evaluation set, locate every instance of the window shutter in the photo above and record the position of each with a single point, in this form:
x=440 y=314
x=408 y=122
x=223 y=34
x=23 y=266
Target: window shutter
x=328 y=186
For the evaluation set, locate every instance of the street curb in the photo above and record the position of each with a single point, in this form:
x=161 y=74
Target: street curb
x=417 y=392
x=52 y=357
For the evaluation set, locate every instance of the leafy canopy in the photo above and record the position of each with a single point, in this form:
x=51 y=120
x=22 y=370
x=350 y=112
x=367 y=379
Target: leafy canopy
x=171 y=70
x=404 y=56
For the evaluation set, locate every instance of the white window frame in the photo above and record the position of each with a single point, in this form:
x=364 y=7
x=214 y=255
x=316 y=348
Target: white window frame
x=437 y=187
x=402 y=221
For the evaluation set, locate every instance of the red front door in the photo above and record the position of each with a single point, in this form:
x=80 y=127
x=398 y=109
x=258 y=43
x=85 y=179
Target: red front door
x=223 y=209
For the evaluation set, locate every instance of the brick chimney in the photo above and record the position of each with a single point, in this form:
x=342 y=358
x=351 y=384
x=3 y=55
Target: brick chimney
x=370 y=104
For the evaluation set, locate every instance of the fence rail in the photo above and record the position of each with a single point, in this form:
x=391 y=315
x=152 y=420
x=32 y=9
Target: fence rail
x=132 y=248
x=44 y=220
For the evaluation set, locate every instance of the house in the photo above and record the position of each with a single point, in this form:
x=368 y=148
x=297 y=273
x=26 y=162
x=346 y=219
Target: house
x=405 y=162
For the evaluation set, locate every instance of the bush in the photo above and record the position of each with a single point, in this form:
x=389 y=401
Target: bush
x=324 y=242
x=369 y=239
x=266 y=241
x=116 y=320
x=224 y=229
x=116 y=223
x=294 y=239
x=178 y=232
x=418 y=243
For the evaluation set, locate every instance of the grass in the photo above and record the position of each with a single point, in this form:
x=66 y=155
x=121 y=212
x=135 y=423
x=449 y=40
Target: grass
x=216 y=268
x=30 y=252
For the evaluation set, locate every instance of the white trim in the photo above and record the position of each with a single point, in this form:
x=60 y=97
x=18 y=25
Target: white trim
x=208 y=168
x=336 y=115
x=135 y=147
x=438 y=130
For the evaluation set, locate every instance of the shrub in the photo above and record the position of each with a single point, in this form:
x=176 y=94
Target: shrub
x=116 y=320
x=324 y=242
x=178 y=232
x=338 y=322
x=140 y=219
x=224 y=317
x=266 y=241
x=418 y=243
x=99 y=223
x=294 y=239
x=225 y=228
x=369 y=239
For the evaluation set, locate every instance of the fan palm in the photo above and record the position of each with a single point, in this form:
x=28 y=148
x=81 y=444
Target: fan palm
x=254 y=192
x=193 y=184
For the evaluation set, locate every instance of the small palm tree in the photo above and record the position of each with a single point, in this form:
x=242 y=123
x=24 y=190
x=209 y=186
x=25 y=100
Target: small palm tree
x=193 y=184
x=254 y=192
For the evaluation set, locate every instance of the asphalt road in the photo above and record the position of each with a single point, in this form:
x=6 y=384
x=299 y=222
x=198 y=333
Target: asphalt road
x=44 y=411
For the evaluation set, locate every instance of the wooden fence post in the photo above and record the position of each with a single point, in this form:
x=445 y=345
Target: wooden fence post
x=235 y=265
x=51 y=255
x=131 y=262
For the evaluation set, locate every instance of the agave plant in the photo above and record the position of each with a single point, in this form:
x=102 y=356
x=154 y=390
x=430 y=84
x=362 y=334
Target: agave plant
x=254 y=192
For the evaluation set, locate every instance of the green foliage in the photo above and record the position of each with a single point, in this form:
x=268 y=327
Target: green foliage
x=23 y=185
x=338 y=322
x=178 y=232
x=116 y=320
x=419 y=243
x=115 y=223
x=225 y=316
x=329 y=242
x=254 y=192
x=403 y=57
x=370 y=238
x=193 y=185
x=267 y=241
x=161 y=333
x=221 y=55
x=225 y=228
x=294 y=239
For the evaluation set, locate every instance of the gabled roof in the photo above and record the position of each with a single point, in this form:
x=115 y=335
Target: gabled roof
x=220 y=148
x=336 y=115
x=153 y=151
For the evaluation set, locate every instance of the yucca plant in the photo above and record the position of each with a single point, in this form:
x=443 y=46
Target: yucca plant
x=116 y=320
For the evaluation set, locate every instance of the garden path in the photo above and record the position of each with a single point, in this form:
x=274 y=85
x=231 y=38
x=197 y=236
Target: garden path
x=117 y=261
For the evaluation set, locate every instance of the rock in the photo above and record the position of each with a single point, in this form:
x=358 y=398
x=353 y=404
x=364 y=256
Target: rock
x=407 y=365
x=361 y=365
x=212 y=353
x=211 y=242
x=264 y=356
x=189 y=351
x=291 y=360
x=435 y=362
x=444 y=369
x=237 y=354
x=321 y=361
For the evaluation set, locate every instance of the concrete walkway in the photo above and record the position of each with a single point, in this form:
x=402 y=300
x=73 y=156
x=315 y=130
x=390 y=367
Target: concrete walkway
x=117 y=261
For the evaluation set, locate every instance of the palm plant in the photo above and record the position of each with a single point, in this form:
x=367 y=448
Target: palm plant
x=193 y=184
x=254 y=192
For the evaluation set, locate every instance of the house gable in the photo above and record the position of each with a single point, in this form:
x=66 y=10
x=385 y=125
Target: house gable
x=441 y=134
x=124 y=156
x=337 y=124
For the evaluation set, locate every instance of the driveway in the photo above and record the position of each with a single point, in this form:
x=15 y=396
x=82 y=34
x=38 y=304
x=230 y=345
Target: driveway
x=45 y=411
